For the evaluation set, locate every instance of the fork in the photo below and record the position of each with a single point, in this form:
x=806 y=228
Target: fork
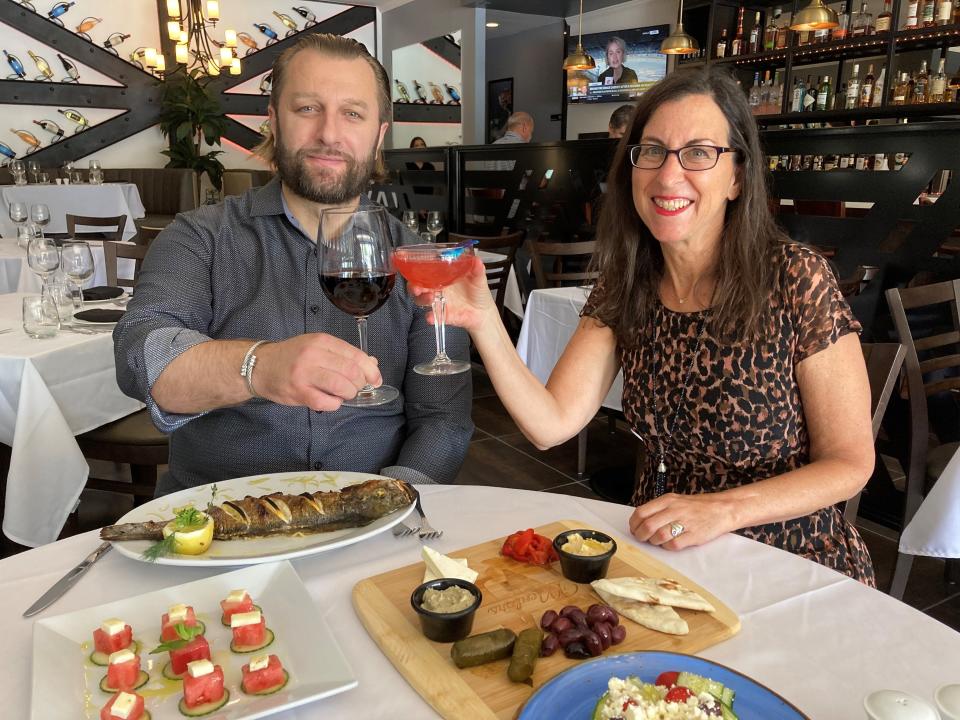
x=427 y=531
x=401 y=529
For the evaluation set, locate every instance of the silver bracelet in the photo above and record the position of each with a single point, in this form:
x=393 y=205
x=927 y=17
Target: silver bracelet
x=246 y=367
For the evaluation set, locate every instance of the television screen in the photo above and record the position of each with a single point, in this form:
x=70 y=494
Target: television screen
x=628 y=62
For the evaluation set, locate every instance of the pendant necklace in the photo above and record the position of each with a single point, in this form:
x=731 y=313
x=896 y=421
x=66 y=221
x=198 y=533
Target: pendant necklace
x=660 y=479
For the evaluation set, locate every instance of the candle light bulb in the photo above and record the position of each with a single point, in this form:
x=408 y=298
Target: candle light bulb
x=173 y=30
x=230 y=38
x=173 y=8
x=235 y=67
x=184 y=38
x=226 y=57
x=213 y=10
x=161 y=63
x=212 y=68
x=181 y=54
x=150 y=57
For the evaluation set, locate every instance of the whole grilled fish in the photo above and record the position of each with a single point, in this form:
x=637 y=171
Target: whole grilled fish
x=280 y=514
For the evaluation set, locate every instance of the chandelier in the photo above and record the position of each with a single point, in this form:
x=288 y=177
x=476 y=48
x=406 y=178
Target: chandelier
x=189 y=28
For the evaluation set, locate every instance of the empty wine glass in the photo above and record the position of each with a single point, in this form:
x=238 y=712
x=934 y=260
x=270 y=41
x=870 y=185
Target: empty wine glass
x=95 y=165
x=27 y=231
x=76 y=259
x=95 y=176
x=19 y=172
x=434 y=224
x=43 y=256
x=410 y=220
x=356 y=275
x=40 y=214
x=34 y=167
x=18 y=214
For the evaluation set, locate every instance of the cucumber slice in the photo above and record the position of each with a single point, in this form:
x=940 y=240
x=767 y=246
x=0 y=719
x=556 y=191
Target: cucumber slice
x=205 y=708
x=142 y=680
x=726 y=697
x=169 y=674
x=727 y=713
x=599 y=706
x=225 y=623
x=269 y=691
x=699 y=684
x=242 y=649
x=103 y=659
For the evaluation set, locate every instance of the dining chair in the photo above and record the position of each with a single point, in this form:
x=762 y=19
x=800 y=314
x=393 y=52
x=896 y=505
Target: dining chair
x=112 y=252
x=884 y=361
x=932 y=367
x=498 y=271
x=556 y=264
x=862 y=276
x=116 y=226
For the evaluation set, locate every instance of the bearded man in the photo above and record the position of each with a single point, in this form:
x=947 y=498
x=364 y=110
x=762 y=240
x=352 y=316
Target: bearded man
x=232 y=344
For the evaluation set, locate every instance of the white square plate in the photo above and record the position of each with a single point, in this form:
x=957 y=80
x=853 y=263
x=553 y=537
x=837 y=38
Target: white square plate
x=65 y=682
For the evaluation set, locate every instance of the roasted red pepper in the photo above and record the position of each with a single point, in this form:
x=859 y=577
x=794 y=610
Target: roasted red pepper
x=528 y=547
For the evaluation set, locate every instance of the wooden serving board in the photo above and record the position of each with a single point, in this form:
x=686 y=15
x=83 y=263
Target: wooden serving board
x=515 y=595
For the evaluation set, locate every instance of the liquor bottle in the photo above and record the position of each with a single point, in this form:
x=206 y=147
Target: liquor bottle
x=756 y=35
x=266 y=30
x=59 y=9
x=28 y=137
x=437 y=95
x=956 y=12
x=737 y=46
x=796 y=102
x=88 y=23
x=853 y=89
x=921 y=82
x=863 y=23
x=866 y=88
x=901 y=91
x=14 y=62
x=722 y=45
x=765 y=94
x=885 y=18
x=770 y=32
x=114 y=40
x=453 y=93
x=42 y=65
x=74 y=116
x=938 y=84
x=823 y=94
x=842 y=95
x=912 y=9
x=286 y=20
x=783 y=31
x=810 y=98
x=842 y=30
x=418 y=88
x=402 y=89
x=945 y=12
x=878 y=89
x=776 y=93
x=69 y=67
x=928 y=15
x=754 y=96
x=51 y=127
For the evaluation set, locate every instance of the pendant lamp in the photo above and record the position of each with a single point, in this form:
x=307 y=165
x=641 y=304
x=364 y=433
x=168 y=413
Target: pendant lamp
x=578 y=59
x=815 y=16
x=678 y=42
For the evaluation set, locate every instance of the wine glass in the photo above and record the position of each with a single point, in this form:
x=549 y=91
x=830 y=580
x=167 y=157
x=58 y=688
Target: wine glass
x=40 y=214
x=18 y=214
x=434 y=266
x=19 y=172
x=434 y=224
x=34 y=167
x=76 y=259
x=43 y=256
x=410 y=220
x=357 y=276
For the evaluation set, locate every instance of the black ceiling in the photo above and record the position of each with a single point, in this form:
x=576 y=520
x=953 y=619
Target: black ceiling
x=556 y=8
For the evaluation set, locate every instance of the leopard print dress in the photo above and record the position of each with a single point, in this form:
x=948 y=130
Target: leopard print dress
x=741 y=419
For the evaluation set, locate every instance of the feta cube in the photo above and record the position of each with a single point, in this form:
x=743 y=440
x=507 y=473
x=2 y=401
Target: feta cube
x=121 y=656
x=259 y=662
x=199 y=668
x=236 y=596
x=177 y=613
x=111 y=626
x=245 y=618
x=123 y=705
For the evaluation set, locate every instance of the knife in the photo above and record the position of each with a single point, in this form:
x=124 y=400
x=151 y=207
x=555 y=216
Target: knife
x=67 y=581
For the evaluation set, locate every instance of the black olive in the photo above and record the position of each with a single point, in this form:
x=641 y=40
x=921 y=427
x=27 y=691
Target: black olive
x=576 y=651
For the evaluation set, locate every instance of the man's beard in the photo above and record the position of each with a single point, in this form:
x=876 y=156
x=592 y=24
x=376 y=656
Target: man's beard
x=323 y=186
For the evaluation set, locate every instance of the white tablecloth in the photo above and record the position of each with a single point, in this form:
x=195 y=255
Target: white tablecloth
x=511 y=301
x=16 y=275
x=107 y=200
x=935 y=529
x=551 y=317
x=819 y=639
x=50 y=390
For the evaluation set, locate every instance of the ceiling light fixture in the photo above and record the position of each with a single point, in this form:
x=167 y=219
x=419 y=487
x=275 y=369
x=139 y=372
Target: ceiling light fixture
x=493 y=24
x=578 y=59
x=815 y=16
x=195 y=48
x=679 y=42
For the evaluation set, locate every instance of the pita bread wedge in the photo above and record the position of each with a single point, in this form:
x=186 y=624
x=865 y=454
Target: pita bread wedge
x=658 y=591
x=661 y=618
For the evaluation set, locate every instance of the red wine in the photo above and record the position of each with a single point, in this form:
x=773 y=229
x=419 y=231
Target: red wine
x=357 y=293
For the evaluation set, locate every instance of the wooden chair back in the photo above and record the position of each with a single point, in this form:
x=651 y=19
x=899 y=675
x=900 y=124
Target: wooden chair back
x=113 y=251
x=498 y=271
x=551 y=262
x=114 y=224
x=858 y=282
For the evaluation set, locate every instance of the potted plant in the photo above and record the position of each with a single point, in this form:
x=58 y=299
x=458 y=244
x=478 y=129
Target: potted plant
x=190 y=116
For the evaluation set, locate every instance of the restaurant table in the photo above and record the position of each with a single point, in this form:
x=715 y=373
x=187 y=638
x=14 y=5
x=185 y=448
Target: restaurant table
x=934 y=530
x=818 y=638
x=107 y=200
x=51 y=389
x=16 y=275
x=551 y=317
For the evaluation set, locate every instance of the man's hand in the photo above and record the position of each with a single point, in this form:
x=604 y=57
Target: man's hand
x=316 y=370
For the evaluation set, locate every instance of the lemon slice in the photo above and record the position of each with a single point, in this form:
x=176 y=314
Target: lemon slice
x=193 y=540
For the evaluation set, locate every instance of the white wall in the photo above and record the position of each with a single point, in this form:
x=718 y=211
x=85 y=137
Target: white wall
x=636 y=13
x=424 y=19
x=534 y=59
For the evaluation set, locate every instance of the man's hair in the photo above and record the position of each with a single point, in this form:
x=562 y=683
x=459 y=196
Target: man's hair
x=334 y=46
x=621 y=116
x=517 y=119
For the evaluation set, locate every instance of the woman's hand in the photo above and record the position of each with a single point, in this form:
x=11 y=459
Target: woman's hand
x=469 y=300
x=703 y=517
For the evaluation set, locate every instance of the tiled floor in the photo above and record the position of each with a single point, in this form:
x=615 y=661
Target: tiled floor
x=500 y=455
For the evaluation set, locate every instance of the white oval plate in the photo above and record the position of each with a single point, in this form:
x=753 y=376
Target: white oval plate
x=257 y=550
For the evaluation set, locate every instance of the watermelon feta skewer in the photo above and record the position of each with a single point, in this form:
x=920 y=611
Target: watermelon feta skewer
x=250 y=632
x=178 y=615
x=123 y=672
x=112 y=635
x=124 y=706
x=263 y=675
x=238 y=601
x=203 y=689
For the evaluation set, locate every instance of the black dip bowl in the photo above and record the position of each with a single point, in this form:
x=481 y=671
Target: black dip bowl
x=584 y=568
x=446 y=627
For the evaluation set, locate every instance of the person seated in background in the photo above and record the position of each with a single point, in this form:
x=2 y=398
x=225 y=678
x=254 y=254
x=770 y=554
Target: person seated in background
x=235 y=287
x=617 y=73
x=619 y=121
x=419 y=142
x=743 y=374
x=519 y=129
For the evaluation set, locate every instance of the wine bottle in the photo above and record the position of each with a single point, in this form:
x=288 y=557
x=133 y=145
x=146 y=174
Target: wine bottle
x=88 y=23
x=69 y=67
x=74 y=116
x=418 y=88
x=59 y=9
x=266 y=30
x=42 y=65
x=266 y=84
x=823 y=94
x=402 y=89
x=722 y=45
x=51 y=127
x=7 y=151
x=115 y=39
x=28 y=137
x=248 y=40
x=437 y=95
x=452 y=92
x=14 y=62
x=286 y=20
x=305 y=14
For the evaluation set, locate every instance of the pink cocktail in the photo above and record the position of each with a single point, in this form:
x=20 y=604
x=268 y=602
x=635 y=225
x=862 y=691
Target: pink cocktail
x=435 y=266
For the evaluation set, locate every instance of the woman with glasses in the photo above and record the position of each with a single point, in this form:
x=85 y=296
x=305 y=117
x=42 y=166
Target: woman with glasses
x=743 y=374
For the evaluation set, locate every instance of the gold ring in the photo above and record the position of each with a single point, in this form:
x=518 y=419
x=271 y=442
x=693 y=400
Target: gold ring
x=676 y=529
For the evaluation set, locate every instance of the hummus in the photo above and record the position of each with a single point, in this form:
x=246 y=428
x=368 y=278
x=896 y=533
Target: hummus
x=576 y=544
x=449 y=600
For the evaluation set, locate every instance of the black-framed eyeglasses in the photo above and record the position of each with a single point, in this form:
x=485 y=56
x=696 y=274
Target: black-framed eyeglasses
x=691 y=157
